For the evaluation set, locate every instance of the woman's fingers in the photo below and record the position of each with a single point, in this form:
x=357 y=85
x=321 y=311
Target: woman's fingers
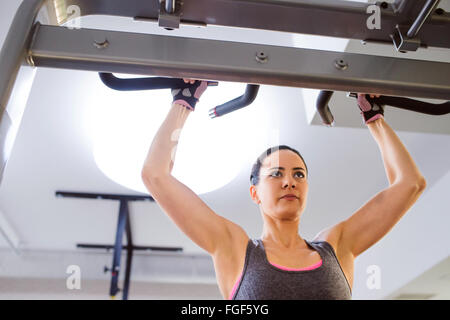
x=191 y=81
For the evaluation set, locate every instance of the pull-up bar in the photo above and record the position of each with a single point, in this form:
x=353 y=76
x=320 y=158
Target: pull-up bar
x=35 y=39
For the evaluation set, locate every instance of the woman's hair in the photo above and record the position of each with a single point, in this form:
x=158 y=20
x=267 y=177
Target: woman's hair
x=254 y=176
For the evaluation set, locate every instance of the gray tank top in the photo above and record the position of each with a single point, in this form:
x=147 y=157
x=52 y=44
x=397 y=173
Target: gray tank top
x=260 y=280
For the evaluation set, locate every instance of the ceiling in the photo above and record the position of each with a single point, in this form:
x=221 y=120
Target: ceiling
x=53 y=151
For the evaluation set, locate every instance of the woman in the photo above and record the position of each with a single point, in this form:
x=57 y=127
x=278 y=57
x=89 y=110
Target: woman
x=281 y=265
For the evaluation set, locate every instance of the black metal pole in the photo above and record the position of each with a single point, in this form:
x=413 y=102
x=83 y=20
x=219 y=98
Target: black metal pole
x=102 y=196
x=118 y=248
x=123 y=224
x=126 y=285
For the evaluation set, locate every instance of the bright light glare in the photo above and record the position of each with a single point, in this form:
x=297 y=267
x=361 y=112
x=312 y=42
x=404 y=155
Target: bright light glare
x=210 y=152
x=14 y=111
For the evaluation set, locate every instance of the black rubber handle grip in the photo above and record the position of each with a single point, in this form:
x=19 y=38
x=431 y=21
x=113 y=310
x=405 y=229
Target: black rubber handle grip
x=150 y=83
x=247 y=98
x=154 y=83
x=436 y=109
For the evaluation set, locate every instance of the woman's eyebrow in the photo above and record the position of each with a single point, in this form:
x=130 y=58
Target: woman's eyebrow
x=281 y=168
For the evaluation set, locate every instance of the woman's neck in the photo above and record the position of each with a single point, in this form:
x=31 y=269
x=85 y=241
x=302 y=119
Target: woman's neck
x=282 y=237
x=281 y=233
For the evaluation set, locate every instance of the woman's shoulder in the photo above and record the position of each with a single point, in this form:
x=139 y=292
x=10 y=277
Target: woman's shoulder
x=330 y=236
x=237 y=233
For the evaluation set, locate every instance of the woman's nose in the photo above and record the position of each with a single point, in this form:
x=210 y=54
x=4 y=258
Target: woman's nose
x=289 y=182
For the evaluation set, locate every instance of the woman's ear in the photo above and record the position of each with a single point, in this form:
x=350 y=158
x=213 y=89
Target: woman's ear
x=254 y=195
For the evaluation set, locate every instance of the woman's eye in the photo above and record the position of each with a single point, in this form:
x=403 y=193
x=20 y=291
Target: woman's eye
x=275 y=174
x=278 y=173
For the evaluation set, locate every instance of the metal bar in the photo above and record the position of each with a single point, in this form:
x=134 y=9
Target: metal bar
x=408 y=9
x=153 y=248
x=295 y=16
x=233 y=61
x=170 y=6
x=135 y=248
x=427 y=9
x=118 y=248
x=102 y=196
x=16 y=78
x=126 y=285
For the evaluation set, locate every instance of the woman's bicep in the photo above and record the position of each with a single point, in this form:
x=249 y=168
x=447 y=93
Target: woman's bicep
x=201 y=224
x=378 y=216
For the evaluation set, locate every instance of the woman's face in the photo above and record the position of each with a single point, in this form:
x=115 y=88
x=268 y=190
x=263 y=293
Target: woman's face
x=282 y=172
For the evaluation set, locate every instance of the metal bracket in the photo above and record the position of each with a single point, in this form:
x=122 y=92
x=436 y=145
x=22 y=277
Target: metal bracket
x=401 y=42
x=169 y=21
x=29 y=53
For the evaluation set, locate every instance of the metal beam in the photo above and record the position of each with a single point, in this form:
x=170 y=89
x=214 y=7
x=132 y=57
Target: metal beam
x=102 y=196
x=408 y=9
x=349 y=18
x=16 y=77
x=130 y=245
x=115 y=270
x=109 y=247
x=426 y=11
x=179 y=57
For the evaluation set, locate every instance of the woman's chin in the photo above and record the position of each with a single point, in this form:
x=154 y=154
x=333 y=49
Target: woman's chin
x=288 y=214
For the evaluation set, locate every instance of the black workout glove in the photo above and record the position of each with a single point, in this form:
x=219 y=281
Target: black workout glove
x=189 y=94
x=370 y=110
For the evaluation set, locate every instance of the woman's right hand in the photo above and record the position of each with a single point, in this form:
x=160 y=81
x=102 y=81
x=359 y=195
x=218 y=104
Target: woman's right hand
x=370 y=110
x=189 y=94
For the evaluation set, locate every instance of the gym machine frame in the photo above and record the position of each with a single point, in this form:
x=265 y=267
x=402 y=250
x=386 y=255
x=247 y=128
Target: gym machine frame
x=123 y=225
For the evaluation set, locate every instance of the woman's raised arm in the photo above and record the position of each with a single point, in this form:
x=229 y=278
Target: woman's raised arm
x=406 y=183
x=201 y=224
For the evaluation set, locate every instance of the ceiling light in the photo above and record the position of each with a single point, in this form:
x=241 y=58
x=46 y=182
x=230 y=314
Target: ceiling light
x=210 y=152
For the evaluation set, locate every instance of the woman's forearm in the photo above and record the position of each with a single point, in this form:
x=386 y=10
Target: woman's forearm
x=161 y=156
x=398 y=162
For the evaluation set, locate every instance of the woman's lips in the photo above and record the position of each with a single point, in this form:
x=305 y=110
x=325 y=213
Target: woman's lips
x=290 y=198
